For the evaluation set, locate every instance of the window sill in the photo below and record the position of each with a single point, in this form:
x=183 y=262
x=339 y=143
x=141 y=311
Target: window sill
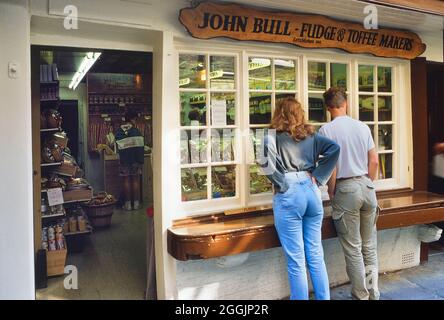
x=219 y=235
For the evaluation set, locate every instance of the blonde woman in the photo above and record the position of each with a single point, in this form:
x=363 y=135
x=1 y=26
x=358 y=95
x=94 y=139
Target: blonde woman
x=296 y=160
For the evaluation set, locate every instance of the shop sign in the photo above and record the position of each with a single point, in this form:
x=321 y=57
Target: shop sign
x=212 y=20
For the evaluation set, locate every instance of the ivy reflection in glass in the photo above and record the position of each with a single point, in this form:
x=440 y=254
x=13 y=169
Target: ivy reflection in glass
x=192 y=71
x=194 y=184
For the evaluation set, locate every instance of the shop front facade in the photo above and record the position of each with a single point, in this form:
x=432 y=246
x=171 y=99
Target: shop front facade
x=214 y=234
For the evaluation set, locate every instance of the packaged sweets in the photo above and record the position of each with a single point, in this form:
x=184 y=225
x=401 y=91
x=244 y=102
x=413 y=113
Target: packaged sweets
x=52 y=245
x=72 y=224
x=81 y=222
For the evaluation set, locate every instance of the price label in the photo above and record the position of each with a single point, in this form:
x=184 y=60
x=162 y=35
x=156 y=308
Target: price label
x=55 y=196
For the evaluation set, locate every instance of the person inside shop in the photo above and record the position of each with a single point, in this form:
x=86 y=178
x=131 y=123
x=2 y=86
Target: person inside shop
x=194 y=117
x=296 y=160
x=353 y=195
x=130 y=145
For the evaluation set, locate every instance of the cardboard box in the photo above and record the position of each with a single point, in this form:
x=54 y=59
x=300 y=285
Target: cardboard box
x=55 y=262
x=77 y=195
x=66 y=169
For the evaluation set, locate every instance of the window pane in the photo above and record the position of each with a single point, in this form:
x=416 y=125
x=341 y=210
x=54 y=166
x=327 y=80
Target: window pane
x=386 y=166
x=256 y=143
x=366 y=78
x=193 y=146
x=282 y=96
x=258 y=182
x=317 y=112
x=222 y=145
x=193 y=109
x=260 y=108
x=338 y=75
x=366 y=108
x=223 y=181
x=372 y=130
x=222 y=73
x=384 y=79
x=194 y=184
x=192 y=71
x=384 y=108
x=317 y=76
x=259 y=70
x=285 y=74
x=223 y=109
x=385 y=137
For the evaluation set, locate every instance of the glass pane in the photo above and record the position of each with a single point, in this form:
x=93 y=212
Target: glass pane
x=372 y=130
x=258 y=182
x=256 y=143
x=222 y=145
x=384 y=108
x=366 y=108
x=260 y=108
x=193 y=146
x=194 y=184
x=338 y=75
x=384 y=79
x=285 y=74
x=192 y=71
x=317 y=76
x=386 y=166
x=366 y=78
x=223 y=181
x=193 y=109
x=222 y=73
x=259 y=70
x=317 y=112
x=385 y=137
x=223 y=109
x=282 y=96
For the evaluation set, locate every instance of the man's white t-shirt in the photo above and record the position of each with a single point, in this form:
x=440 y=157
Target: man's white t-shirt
x=355 y=140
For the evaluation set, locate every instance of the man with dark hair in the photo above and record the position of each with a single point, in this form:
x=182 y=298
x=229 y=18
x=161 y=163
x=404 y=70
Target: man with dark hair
x=353 y=195
x=130 y=144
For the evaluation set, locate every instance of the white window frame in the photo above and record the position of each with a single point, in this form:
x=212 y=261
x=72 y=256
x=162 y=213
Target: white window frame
x=402 y=129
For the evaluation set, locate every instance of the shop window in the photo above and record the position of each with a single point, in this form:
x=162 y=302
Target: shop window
x=321 y=76
x=270 y=81
x=375 y=109
x=208 y=113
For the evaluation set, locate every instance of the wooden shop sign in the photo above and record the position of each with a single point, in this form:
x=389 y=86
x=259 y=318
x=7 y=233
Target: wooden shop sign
x=211 y=20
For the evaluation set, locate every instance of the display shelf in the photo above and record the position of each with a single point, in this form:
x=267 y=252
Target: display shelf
x=50 y=100
x=53 y=215
x=50 y=130
x=74 y=201
x=51 y=164
x=87 y=231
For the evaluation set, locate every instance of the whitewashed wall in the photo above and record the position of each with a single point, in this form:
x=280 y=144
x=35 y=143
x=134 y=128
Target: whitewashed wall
x=16 y=226
x=264 y=276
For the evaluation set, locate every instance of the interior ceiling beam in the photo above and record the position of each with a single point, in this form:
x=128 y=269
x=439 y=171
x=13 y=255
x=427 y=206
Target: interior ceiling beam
x=435 y=7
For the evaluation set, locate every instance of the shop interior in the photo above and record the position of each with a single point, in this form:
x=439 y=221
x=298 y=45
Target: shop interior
x=82 y=218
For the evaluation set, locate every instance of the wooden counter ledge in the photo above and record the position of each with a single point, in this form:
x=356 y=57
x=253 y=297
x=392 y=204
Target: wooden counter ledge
x=219 y=235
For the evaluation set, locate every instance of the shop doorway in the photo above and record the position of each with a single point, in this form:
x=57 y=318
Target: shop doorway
x=90 y=207
x=435 y=102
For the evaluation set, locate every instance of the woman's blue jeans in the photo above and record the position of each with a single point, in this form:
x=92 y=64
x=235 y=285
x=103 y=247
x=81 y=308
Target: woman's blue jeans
x=298 y=215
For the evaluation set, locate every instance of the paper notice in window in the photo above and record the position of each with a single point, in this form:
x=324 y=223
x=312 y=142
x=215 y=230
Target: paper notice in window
x=219 y=113
x=55 y=196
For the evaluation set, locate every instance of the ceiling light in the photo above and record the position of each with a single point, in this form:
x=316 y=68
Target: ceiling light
x=87 y=62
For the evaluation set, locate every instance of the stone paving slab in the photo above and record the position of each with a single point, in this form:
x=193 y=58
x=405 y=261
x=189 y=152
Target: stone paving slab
x=425 y=282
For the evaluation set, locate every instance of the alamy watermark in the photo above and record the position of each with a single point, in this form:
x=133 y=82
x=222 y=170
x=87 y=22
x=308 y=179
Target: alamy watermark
x=71 y=281
x=71 y=20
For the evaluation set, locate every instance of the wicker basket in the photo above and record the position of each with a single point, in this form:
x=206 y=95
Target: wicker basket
x=100 y=215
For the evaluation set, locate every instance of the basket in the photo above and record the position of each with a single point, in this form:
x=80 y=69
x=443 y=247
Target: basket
x=100 y=215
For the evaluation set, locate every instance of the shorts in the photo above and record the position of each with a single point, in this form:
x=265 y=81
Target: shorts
x=130 y=170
